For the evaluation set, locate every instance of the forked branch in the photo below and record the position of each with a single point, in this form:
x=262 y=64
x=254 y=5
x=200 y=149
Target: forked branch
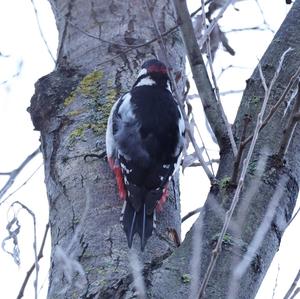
x=211 y=105
x=216 y=251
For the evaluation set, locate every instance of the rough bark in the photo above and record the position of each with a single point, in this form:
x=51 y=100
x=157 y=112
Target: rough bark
x=70 y=109
x=276 y=172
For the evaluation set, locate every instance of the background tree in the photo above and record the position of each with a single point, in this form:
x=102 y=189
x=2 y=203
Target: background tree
x=100 y=49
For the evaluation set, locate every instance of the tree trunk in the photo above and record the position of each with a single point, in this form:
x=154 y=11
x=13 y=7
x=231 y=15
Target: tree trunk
x=70 y=108
x=255 y=198
x=97 y=62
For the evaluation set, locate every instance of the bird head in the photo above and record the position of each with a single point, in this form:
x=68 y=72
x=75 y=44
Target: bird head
x=153 y=72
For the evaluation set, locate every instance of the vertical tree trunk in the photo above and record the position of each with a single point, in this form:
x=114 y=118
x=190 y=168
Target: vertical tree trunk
x=257 y=193
x=97 y=62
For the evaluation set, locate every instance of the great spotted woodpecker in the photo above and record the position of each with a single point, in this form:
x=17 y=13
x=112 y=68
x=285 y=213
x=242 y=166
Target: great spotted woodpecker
x=144 y=140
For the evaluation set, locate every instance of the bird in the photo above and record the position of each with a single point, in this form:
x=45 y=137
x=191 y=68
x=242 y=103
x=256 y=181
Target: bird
x=144 y=141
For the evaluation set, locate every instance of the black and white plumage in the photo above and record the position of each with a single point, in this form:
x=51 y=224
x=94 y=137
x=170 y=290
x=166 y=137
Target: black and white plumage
x=144 y=140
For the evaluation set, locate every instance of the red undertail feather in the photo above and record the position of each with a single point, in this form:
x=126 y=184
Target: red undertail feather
x=163 y=199
x=119 y=178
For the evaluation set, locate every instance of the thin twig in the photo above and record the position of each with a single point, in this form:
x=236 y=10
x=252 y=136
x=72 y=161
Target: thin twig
x=22 y=185
x=293 y=286
x=190 y=214
x=216 y=251
x=70 y=267
x=297 y=291
x=195 y=164
x=41 y=31
x=292 y=219
x=244 y=141
x=214 y=22
x=217 y=94
x=209 y=101
x=227 y=92
x=209 y=162
x=234 y=30
x=36 y=266
x=13 y=174
x=231 y=66
x=29 y=272
x=274 y=108
x=238 y=158
x=260 y=233
x=15 y=75
x=289 y=129
x=263 y=17
x=276 y=282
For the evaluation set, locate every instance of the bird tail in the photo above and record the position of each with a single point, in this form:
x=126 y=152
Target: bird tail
x=137 y=222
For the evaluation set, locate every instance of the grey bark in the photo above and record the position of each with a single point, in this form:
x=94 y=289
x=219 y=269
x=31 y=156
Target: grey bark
x=276 y=172
x=70 y=108
x=96 y=64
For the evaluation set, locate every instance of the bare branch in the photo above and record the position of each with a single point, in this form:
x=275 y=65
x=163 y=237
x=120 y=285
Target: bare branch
x=289 y=129
x=274 y=108
x=70 y=267
x=263 y=17
x=276 y=282
x=216 y=251
x=230 y=66
x=267 y=89
x=22 y=185
x=258 y=237
x=236 y=164
x=36 y=266
x=15 y=75
x=209 y=163
x=13 y=174
x=244 y=29
x=214 y=22
x=41 y=31
x=292 y=287
x=190 y=214
x=29 y=272
x=227 y=92
x=210 y=103
x=217 y=94
x=297 y=291
x=294 y=216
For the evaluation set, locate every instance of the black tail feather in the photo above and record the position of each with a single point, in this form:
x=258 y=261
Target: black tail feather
x=144 y=217
x=137 y=222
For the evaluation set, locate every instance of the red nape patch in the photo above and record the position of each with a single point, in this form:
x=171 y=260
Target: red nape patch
x=163 y=199
x=119 y=178
x=157 y=69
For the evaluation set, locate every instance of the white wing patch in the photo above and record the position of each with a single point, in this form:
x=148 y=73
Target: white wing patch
x=181 y=129
x=109 y=138
x=125 y=110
